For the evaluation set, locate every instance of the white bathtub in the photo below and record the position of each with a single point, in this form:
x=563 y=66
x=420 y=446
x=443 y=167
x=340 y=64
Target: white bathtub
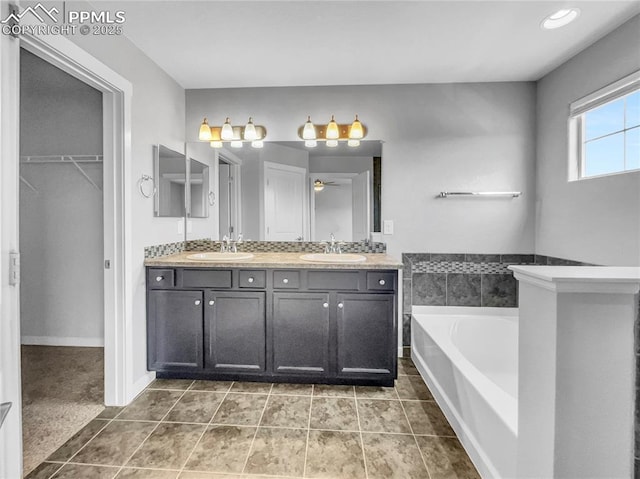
x=469 y=359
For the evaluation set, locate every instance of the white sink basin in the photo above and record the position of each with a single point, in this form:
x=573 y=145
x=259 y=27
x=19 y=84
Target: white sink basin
x=333 y=257
x=218 y=256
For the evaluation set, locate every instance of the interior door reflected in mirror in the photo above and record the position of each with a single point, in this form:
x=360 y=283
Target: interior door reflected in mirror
x=199 y=194
x=170 y=171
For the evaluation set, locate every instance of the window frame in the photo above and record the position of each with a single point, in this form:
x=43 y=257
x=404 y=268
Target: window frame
x=576 y=129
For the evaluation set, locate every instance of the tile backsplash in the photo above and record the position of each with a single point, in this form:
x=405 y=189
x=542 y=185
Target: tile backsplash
x=261 y=247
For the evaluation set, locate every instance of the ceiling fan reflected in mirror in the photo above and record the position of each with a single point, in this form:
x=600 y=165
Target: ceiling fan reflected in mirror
x=318 y=185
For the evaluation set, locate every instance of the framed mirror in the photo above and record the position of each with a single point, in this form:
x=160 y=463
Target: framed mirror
x=287 y=192
x=170 y=171
x=199 y=195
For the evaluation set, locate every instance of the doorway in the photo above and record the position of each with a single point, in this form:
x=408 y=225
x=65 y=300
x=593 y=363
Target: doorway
x=229 y=204
x=61 y=242
x=119 y=383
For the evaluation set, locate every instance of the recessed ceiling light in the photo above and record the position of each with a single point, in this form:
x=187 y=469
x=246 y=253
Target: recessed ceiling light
x=560 y=18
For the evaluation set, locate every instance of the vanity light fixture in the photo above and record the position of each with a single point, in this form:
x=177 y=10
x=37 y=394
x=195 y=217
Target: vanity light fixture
x=560 y=18
x=332 y=133
x=237 y=135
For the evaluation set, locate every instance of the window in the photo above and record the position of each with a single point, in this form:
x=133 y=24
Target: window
x=604 y=130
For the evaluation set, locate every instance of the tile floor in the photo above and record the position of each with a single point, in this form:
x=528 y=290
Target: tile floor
x=221 y=430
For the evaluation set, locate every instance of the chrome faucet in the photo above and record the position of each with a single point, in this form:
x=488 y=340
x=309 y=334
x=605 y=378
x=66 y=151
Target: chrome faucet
x=332 y=246
x=228 y=245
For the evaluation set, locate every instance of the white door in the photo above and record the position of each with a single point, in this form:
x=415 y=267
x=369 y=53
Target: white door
x=286 y=203
x=361 y=195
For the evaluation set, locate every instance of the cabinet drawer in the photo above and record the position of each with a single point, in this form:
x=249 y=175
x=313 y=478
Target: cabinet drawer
x=158 y=278
x=381 y=281
x=286 y=279
x=339 y=280
x=206 y=278
x=253 y=279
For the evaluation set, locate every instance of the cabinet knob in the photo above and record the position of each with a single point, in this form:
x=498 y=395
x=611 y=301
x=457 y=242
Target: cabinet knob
x=340 y=305
x=211 y=303
x=285 y=280
x=382 y=282
x=251 y=280
x=325 y=305
x=197 y=302
x=159 y=278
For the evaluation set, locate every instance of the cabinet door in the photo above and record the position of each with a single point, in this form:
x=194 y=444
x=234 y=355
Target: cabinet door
x=235 y=331
x=366 y=334
x=174 y=330
x=300 y=333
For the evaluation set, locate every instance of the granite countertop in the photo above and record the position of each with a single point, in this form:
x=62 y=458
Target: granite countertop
x=275 y=260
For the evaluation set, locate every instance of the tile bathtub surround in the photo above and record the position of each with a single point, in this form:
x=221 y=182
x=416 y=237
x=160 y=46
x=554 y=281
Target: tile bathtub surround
x=460 y=279
x=180 y=429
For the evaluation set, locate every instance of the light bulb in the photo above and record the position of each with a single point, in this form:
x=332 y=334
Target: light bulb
x=227 y=131
x=356 y=132
x=333 y=132
x=310 y=143
x=309 y=130
x=236 y=144
x=332 y=143
x=205 y=131
x=353 y=143
x=216 y=144
x=318 y=185
x=250 y=133
x=257 y=143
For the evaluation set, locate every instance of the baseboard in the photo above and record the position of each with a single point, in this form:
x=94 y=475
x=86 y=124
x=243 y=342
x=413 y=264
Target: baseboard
x=62 y=341
x=142 y=383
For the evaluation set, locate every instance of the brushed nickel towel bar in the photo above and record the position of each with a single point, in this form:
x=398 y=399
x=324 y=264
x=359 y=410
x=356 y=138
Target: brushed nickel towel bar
x=513 y=194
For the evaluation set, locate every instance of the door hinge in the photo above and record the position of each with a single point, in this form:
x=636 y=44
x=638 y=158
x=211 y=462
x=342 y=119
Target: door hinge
x=107 y=264
x=14 y=268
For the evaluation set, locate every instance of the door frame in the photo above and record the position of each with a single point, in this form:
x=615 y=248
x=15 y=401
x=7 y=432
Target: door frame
x=312 y=199
x=117 y=190
x=235 y=170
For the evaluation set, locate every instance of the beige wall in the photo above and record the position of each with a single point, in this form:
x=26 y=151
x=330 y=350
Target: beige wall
x=437 y=137
x=595 y=220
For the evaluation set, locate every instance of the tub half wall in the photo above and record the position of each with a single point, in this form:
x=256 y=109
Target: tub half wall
x=481 y=406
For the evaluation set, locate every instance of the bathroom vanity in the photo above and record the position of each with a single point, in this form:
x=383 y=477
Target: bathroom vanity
x=275 y=318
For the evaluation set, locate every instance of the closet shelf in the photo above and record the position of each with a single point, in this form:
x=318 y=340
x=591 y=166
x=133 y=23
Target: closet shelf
x=74 y=160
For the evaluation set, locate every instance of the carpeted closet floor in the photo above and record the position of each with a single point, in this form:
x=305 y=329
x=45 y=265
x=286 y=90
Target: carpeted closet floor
x=62 y=390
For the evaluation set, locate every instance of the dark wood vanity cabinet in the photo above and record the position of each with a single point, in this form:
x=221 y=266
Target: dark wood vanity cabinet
x=322 y=326
x=300 y=334
x=174 y=337
x=235 y=331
